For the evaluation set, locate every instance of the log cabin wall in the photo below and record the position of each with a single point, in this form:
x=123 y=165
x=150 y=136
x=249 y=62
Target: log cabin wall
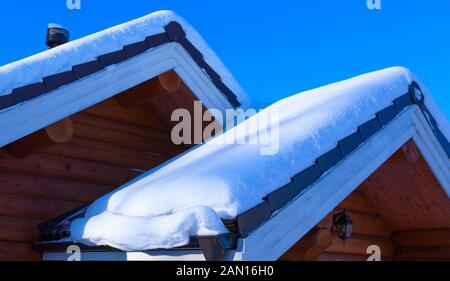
x=111 y=145
x=401 y=208
x=426 y=244
x=369 y=228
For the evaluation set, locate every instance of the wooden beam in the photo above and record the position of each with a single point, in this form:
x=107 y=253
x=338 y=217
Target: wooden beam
x=422 y=238
x=310 y=247
x=34 y=207
x=113 y=158
x=121 y=126
x=317 y=238
x=358 y=244
x=39 y=186
x=53 y=166
x=165 y=83
x=19 y=229
x=426 y=244
x=14 y=251
x=341 y=257
x=59 y=132
x=411 y=152
x=368 y=224
x=166 y=148
x=423 y=254
x=111 y=110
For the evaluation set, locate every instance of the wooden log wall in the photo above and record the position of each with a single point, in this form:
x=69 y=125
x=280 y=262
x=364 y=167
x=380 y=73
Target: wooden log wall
x=369 y=228
x=427 y=244
x=110 y=145
x=401 y=207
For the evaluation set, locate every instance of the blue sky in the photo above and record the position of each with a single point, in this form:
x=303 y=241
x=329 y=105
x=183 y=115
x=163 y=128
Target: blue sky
x=274 y=48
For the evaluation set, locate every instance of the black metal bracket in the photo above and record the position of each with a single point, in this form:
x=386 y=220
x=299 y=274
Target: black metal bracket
x=418 y=98
x=215 y=247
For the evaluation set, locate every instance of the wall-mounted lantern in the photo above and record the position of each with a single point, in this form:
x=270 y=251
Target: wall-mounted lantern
x=343 y=225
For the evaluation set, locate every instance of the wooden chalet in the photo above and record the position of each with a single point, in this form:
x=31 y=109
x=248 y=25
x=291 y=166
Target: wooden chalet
x=81 y=133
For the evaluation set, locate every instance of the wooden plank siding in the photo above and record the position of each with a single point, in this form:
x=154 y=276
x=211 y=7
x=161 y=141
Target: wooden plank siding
x=401 y=208
x=408 y=194
x=110 y=146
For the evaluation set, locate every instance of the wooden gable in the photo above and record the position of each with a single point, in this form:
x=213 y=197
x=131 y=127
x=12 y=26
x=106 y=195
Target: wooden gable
x=401 y=208
x=109 y=145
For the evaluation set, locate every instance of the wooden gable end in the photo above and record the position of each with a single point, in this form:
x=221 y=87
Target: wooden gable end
x=109 y=144
x=401 y=208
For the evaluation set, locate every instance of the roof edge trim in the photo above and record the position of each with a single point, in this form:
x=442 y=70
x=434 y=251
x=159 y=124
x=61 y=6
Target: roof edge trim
x=174 y=33
x=252 y=219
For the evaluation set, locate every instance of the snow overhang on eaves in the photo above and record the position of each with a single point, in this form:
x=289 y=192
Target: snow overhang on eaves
x=385 y=125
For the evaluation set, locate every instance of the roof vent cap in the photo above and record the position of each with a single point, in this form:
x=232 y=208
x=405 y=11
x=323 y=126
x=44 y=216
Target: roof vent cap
x=56 y=35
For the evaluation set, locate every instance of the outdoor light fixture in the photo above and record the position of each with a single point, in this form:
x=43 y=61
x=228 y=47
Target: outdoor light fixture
x=343 y=225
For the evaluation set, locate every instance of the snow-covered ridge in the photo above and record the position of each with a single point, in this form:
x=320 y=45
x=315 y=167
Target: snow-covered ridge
x=32 y=69
x=188 y=196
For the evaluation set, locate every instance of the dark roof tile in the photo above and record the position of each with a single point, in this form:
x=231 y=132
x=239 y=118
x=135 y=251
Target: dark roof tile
x=87 y=68
x=329 y=159
x=350 y=143
x=30 y=91
x=157 y=40
x=402 y=102
x=279 y=198
x=307 y=177
x=252 y=218
x=7 y=101
x=113 y=58
x=135 y=49
x=369 y=128
x=387 y=115
x=55 y=81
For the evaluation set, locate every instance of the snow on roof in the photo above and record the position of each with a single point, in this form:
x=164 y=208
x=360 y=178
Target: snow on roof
x=55 y=25
x=62 y=58
x=189 y=195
